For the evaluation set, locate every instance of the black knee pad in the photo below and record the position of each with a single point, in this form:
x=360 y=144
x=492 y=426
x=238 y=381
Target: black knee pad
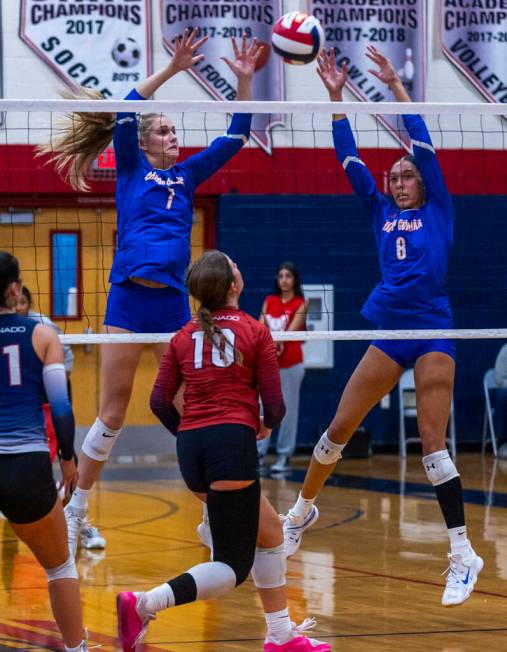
x=234 y=521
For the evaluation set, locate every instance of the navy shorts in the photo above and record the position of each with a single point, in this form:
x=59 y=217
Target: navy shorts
x=142 y=309
x=406 y=352
x=27 y=487
x=222 y=452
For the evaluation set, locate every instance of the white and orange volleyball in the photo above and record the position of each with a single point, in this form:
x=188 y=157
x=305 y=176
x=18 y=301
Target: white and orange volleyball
x=297 y=37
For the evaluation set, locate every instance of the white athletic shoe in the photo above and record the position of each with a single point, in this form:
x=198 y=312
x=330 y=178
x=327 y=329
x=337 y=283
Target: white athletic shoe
x=74 y=518
x=281 y=465
x=204 y=534
x=461 y=577
x=90 y=537
x=293 y=528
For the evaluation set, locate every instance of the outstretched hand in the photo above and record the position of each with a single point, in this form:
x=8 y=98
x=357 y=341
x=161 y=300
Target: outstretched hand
x=387 y=72
x=245 y=59
x=185 y=48
x=333 y=78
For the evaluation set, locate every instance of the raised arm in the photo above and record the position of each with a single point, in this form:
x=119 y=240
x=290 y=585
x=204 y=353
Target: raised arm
x=184 y=57
x=201 y=166
x=424 y=153
x=125 y=137
x=345 y=146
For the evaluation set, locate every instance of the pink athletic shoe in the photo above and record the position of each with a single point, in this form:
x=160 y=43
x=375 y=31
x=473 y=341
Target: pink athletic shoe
x=131 y=627
x=298 y=643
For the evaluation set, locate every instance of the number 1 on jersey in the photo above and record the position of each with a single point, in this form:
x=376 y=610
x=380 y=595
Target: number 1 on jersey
x=216 y=359
x=13 y=362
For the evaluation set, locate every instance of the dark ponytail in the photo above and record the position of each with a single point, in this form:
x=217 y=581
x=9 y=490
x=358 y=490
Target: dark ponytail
x=9 y=273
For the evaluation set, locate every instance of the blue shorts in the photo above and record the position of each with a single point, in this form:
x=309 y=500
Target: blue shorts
x=141 y=309
x=406 y=352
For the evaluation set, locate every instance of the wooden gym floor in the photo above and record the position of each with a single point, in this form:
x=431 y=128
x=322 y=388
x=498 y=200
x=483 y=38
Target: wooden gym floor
x=369 y=570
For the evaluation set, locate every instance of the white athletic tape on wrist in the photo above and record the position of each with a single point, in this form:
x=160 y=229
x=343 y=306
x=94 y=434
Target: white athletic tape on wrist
x=269 y=567
x=326 y=451
x=439 y=467
x=99 y=441
x=66 y=571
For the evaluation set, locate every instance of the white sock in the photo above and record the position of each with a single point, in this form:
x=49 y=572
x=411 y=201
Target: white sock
x=279 y=626
x=205 y=516
x=75 y=649
x=162 y=597
x=303 y=506
x=457 y=535
x=79 y=499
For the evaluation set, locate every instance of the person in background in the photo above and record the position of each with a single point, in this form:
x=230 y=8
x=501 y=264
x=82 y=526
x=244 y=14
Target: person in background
x=285 y=310
x=25 y=308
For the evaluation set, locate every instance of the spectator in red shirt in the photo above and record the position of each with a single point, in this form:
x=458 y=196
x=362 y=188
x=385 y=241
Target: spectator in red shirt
x=225 y=359
x=285 y=310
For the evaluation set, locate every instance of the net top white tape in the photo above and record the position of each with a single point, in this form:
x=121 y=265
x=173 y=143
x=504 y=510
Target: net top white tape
x=305 y=336
x=210 y=106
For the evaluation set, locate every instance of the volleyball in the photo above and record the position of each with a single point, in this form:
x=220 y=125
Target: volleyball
x=297 y=37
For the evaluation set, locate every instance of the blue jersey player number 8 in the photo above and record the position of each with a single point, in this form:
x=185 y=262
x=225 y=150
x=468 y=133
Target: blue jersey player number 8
x=413 y=235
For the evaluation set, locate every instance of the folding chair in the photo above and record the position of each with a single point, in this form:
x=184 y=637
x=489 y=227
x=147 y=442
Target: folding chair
x=489 y=384
x=408 y=408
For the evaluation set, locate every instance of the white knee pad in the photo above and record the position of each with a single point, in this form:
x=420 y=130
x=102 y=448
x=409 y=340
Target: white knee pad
x=66 y=571
x=326 y=451
x=268 y=570
x=99 y=441
x=439 y=467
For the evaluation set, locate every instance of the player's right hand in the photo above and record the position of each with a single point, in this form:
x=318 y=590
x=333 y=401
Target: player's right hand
x=69 y=476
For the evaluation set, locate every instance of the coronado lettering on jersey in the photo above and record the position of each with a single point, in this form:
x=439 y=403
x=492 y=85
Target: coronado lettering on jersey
x=403 y=225
x=13 y=329
x=226 y=317
x=153 y=176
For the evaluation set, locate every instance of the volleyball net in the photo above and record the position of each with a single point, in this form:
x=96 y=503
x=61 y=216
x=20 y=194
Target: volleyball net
x=284 y=196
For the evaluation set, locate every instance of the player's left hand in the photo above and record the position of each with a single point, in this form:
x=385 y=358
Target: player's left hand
x=264 y=432
x=245 y=58
x=387 y=72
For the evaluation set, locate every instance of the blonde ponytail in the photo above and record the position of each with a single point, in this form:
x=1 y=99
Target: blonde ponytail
x=78 y=139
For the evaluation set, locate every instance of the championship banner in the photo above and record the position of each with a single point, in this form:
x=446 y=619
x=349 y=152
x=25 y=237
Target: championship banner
x=397 y=29
x=221 y=20
x=473 y=36
x=102 y=44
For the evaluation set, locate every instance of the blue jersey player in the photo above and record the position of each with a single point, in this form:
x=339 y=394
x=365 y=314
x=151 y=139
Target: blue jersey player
x=154 y=195
x=31 y=360
x=413 y=236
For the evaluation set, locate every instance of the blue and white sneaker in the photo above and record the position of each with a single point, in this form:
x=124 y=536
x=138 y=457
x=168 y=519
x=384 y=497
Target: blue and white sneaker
x=293 y=528
x=461 y=576
x=90 y=537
